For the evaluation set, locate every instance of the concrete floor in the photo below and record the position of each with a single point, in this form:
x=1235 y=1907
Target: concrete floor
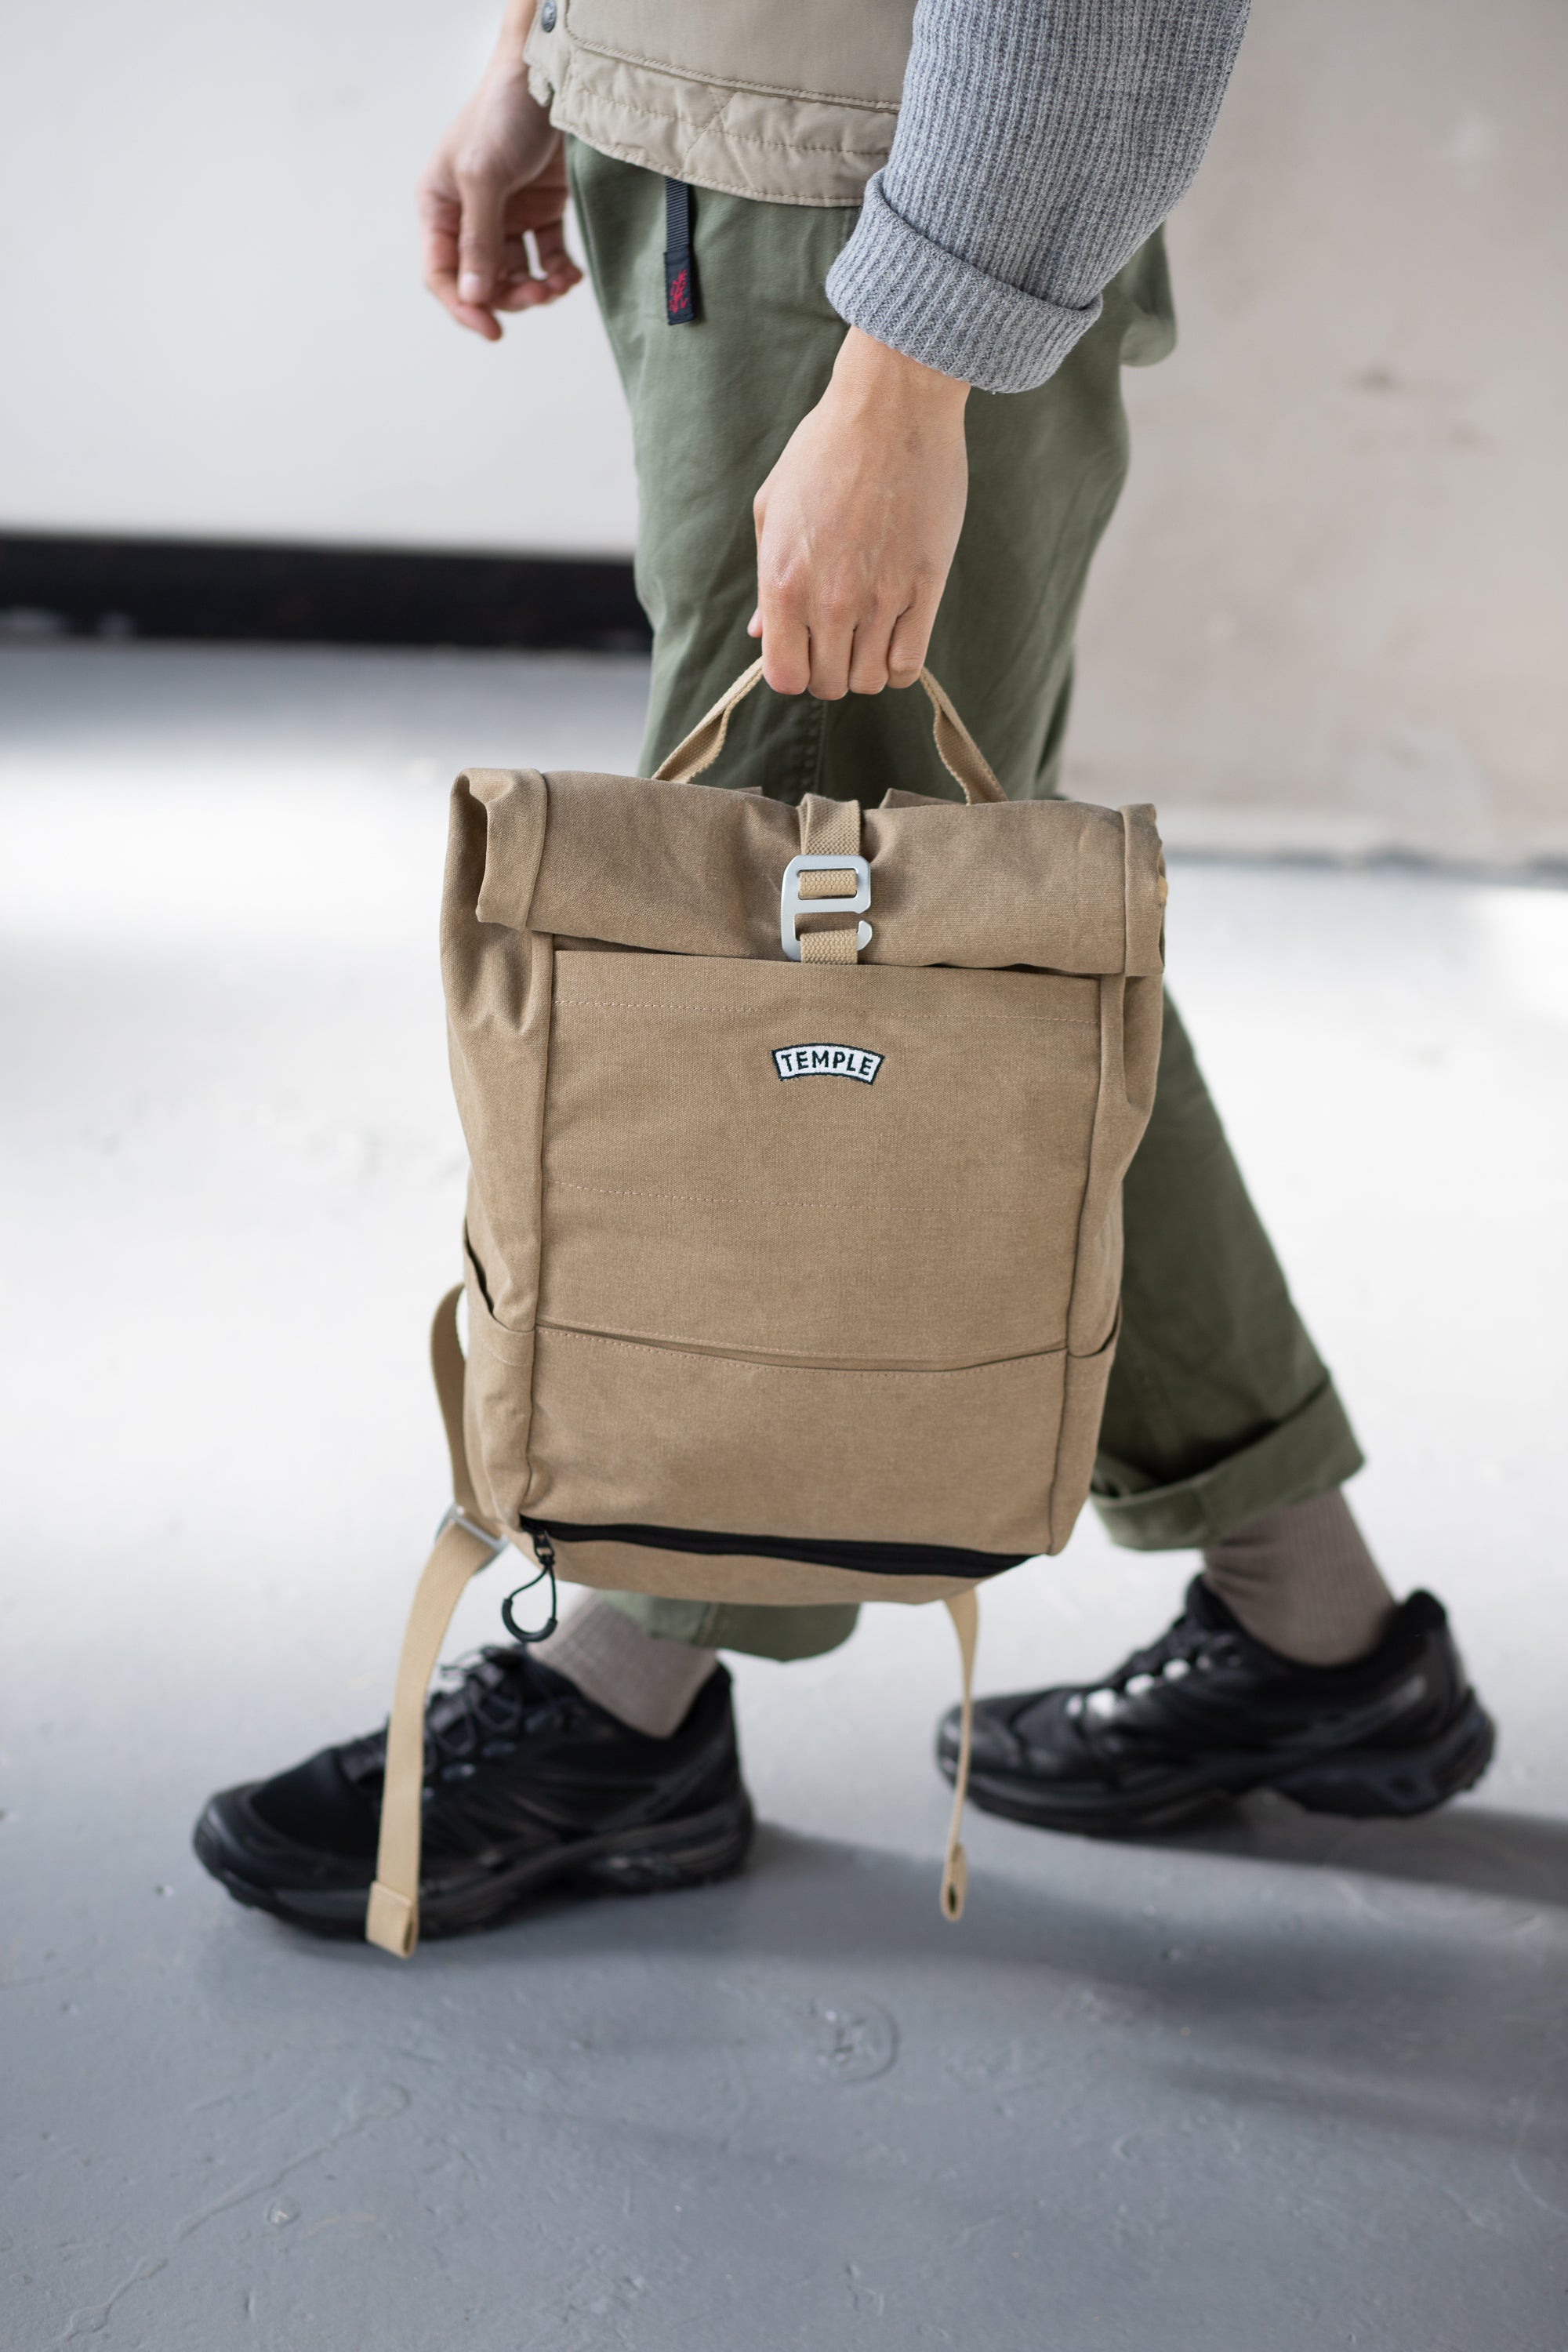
x=1272 y=2085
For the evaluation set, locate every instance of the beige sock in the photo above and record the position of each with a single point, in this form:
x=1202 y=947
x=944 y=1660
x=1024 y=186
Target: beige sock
x=649 y=1683
x=1302 y=1582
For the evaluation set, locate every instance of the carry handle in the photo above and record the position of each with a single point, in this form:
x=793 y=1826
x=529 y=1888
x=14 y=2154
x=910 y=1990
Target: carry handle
x=956 y=747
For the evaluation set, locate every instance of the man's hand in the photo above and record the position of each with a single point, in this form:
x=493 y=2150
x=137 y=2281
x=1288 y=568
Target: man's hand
x=497 y=179
x=857 y=525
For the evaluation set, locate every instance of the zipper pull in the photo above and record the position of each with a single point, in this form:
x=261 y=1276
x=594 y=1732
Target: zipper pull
x=545 y=1553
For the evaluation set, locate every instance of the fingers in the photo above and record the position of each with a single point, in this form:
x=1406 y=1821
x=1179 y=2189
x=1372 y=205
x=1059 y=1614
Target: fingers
x=778 y=621
x=448 y=241
x=830 y=635
x=525 y=286
x=440 y=223
x=806 y=645
x=826 y=657
x=869 y=656
x=786 y=652
x=481 y=233
x=911 y=640
x=825 y=645
x=556 y=267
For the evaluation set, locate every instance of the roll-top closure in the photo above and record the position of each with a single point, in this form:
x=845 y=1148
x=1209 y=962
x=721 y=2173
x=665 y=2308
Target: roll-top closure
x=687 y=870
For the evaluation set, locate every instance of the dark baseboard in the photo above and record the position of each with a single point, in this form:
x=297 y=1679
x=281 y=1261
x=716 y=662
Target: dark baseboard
x=58 y=585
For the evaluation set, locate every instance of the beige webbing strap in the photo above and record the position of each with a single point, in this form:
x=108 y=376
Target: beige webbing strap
x=447 y=1370
x=829 y=947
x=392 y=1917
x=702 y=746
x=956 y=747
x=466 y=1543
x=963 y=1607
x=829 y=829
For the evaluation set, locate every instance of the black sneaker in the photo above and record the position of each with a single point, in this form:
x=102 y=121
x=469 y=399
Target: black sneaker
x=527 y=1784
x=1208 y=1713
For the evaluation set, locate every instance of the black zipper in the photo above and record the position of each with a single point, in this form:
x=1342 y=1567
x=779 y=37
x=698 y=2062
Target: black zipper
x=870 y=1559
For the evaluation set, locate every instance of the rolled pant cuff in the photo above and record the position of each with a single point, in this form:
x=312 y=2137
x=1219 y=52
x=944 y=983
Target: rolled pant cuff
x=748 y=1626
x=1312 y=1453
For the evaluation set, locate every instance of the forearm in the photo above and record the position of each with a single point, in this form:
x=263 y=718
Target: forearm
x=1039 y=143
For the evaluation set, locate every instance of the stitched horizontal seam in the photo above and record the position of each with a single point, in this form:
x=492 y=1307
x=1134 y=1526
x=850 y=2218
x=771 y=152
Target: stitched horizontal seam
x=750 y=1200
x=699 y=178
x=735 y=138
x=872 y=1012
x=769 y=1364
x=698 y=1199
x=732 y=89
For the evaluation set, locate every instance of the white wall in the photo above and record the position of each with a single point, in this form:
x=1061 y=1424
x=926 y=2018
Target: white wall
x=213 y=319
x=1333 y=612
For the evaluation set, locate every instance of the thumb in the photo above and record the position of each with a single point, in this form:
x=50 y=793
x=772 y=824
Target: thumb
x=478 y=236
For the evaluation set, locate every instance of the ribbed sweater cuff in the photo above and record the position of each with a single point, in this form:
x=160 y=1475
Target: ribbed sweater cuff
x=895 y=284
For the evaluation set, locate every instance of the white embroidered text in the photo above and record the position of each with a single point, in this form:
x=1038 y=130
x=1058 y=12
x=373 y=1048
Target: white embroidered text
x=826 y=1062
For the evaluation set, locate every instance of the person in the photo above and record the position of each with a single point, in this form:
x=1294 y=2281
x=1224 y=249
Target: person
x=870 y=285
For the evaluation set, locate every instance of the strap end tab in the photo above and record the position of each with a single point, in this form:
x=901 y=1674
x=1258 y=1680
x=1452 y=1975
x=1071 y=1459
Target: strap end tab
x=391 y=1921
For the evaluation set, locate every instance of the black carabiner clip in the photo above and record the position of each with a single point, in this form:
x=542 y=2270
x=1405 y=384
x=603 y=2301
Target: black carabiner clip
x=546 y=1569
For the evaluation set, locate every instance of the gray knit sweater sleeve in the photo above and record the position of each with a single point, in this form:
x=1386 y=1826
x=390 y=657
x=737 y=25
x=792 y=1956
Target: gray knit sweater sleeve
x=1039 y=142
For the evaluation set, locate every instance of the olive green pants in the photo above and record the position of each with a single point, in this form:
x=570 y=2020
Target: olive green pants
x=1219 y=1408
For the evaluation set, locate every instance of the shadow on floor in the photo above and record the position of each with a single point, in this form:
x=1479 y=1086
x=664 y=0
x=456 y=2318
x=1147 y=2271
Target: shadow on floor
x=1473 y=1849
x=1410 y=2013
x=810 y=1898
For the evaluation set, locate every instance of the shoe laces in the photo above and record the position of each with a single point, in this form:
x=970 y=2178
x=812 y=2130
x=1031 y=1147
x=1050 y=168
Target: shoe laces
x=491 y=1701
x=1184 y=1648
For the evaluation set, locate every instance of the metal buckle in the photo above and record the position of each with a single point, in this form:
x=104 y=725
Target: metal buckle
x=456 y=1517
x=791 y=906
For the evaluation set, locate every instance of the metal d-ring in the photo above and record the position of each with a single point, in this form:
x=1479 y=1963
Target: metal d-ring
x=791 y=906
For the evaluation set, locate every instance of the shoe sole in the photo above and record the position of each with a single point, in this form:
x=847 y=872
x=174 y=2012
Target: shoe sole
x=695 y=1851
x=1363 y=1784
x=1391 y=1783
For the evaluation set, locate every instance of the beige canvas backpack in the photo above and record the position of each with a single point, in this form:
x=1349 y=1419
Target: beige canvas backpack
x=793 y=1242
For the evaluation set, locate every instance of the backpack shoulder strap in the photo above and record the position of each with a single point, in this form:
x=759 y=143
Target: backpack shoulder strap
x=963 y=1607
x=465 y=1541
